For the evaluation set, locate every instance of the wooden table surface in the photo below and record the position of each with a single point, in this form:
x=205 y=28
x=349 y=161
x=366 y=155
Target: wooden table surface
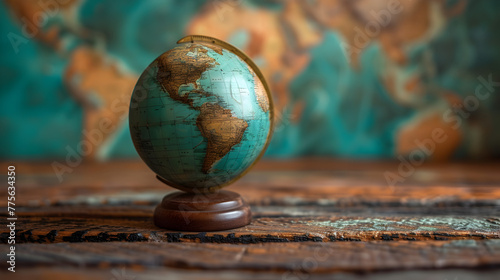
x=312 y=219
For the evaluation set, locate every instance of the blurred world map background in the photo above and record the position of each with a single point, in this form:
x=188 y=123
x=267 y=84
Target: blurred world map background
x=350 y=78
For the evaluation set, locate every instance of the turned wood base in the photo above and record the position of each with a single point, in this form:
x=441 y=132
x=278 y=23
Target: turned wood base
x=202 y=212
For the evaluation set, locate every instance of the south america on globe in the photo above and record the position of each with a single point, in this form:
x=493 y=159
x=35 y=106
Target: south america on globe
x=201 y=115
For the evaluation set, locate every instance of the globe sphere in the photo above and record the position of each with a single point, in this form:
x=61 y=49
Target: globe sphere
x=200 y=116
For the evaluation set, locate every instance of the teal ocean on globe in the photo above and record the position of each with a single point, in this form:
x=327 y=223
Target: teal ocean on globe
x=200 y=116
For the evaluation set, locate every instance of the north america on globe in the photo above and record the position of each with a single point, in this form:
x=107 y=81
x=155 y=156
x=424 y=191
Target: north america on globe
x=203 y=117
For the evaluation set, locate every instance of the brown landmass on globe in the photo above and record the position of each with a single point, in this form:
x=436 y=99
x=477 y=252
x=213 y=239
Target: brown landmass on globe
x=216 y=124
x=260 y=93
x=215 y=48
x=221 y=130
x=187 y=69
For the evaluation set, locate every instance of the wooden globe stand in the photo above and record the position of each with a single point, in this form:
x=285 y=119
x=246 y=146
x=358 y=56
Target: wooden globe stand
x=216 y=211
x=198 y=209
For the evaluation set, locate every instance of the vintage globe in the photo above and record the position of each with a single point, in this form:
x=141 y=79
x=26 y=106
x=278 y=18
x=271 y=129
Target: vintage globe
x=201 y=114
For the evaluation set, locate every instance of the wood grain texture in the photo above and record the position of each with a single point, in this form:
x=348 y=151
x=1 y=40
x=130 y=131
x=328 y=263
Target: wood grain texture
x=312 y=218
x=168 y=273
x=301 y=257
x=275 y=229
x=284 y=183
x=182 y=211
